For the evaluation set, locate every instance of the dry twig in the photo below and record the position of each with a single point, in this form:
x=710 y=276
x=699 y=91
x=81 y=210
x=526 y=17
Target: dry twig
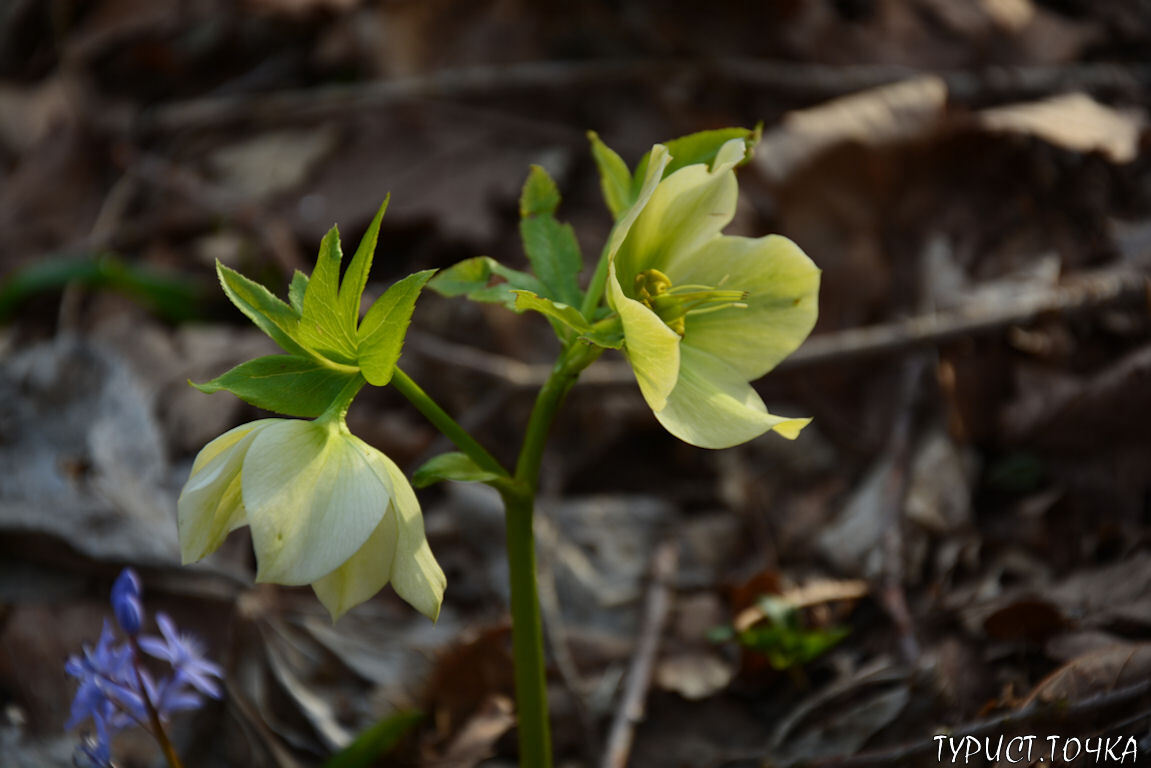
x=1082 y=294
x=803 y=81
x=631 y=706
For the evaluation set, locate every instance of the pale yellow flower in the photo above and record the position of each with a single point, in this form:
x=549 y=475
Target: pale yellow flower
x=324 y=508
x=704 y=313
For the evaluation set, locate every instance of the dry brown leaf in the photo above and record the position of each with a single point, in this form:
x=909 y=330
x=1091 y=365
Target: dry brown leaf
x=694 y=676
x=1094 y=673
x=1072 y=645
x=28 y=114
x=298 y=8
x=467 y=676
x=263 y=166
x=1033 y=620
x=476 y=740
x=1074 y=121
x=873 y=117
x=939 y=491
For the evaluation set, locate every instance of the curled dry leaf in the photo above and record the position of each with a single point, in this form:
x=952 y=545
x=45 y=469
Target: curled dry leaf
x=695 y=675
x=877 y=116
x=476 y=740
x=1094 y=673
x=813 y=593
x=1030 y=619
x=1074 y=121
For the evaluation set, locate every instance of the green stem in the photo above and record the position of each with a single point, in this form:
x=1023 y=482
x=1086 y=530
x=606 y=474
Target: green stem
x=596 y=286
x=445 y=423
x=527 y=635
x=563 y=377
x=519 y=502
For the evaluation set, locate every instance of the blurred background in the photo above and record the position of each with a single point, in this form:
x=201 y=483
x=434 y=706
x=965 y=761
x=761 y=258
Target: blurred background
x=960 y=536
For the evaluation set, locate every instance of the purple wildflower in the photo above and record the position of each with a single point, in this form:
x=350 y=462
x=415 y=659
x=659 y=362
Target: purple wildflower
x=126 y=602
x=186 y=656
x=116 y=692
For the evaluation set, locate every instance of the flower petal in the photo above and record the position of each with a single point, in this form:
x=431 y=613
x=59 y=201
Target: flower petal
x=713 y=406
x=364 y=574
x=651 y=346
x=416 y=576
x=783 y=289
x=688 y=208
x=312 y=500
x=210 y=505
x=657 y=162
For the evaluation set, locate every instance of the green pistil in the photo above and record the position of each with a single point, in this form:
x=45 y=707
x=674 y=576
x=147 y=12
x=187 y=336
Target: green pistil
x=674 y=303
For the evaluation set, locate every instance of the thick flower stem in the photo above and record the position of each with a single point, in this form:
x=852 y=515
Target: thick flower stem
x=527 y=635
x=445 y=423
x=519 y=503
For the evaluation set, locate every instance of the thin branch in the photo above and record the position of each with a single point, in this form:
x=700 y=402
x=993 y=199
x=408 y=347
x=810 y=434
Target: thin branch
x=1082 y=294
x=665 y=561
x=892 y=594
x=803 y=81
x=515 y=372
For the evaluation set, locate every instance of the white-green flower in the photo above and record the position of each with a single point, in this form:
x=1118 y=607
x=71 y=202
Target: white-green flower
x=704 y=313
x=324 y=507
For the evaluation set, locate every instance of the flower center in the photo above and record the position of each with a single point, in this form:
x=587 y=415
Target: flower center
x=673 y=303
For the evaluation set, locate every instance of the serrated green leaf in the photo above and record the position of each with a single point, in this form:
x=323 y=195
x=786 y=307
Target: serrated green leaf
x=381 y=335
x=287 y=384
x=356 y=275
x=296 y=291
x=568 y=315
x=697 y=148
x=614 y=177
x=322 y=326
x=605 y=339
x=271 y=315
x=551 y=247
x=555 y=257
x=376 y=741
x=539 y=195
x=475 y=279
x=452 y=466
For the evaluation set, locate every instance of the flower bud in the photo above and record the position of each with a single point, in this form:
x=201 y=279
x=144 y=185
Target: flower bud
x=126 y=603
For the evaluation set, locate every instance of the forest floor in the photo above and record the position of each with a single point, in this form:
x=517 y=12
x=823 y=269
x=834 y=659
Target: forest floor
x=958 y=544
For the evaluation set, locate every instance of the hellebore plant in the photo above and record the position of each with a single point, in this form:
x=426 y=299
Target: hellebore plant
x=116 y=691
x=698 y=314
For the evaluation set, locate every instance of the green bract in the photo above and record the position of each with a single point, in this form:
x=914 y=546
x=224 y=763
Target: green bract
x=704 y=313
x=324 y=507
x=320 y=329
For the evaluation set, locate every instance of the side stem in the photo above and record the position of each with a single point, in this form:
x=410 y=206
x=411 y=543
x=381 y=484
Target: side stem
x=596 y=285
x=445 y=423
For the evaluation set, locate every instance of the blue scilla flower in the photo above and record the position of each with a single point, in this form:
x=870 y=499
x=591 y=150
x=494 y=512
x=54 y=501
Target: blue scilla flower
x=117 y=692
x=186 y=656
x=127 y=603
x=108 y=696
x=94 y=752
